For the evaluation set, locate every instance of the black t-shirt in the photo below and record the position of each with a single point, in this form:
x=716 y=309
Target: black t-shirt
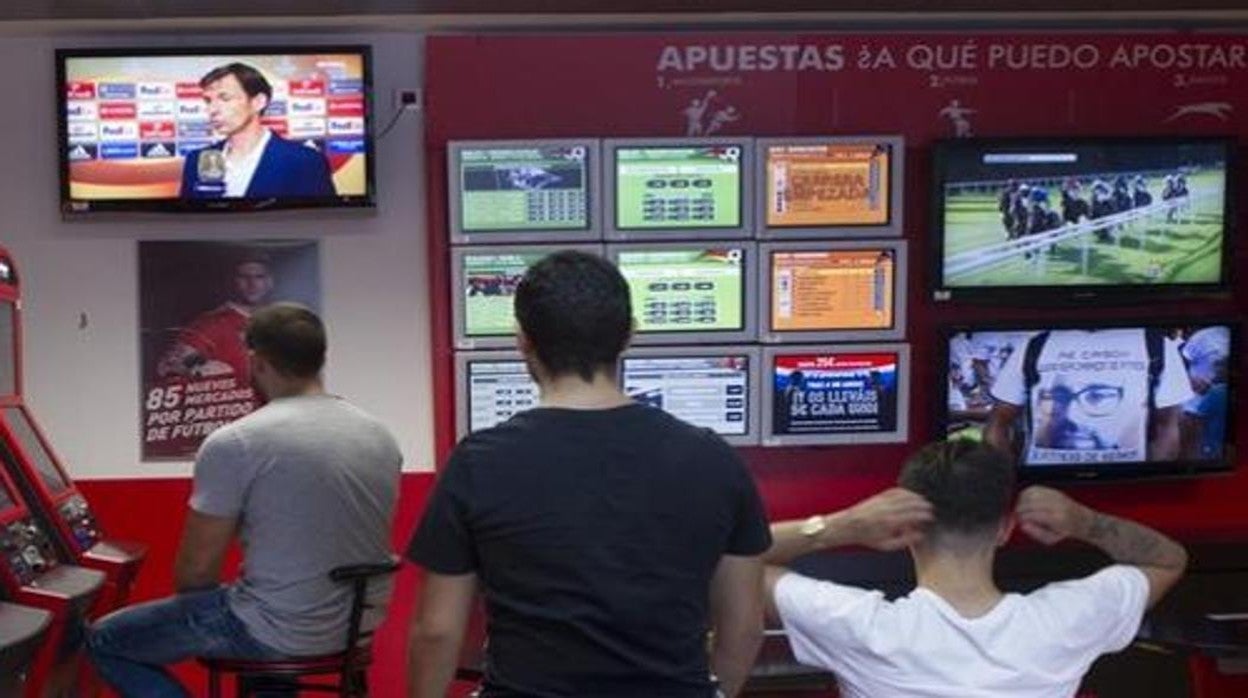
x=595 y=534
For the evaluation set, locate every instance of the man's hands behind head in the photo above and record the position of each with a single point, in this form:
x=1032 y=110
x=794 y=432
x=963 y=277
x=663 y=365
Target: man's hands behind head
x=891 y=520
x=1048 y=516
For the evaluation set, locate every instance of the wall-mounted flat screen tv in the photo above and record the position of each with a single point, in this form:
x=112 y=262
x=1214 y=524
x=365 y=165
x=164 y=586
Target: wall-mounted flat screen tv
x=1038 y=220
x=214 y=128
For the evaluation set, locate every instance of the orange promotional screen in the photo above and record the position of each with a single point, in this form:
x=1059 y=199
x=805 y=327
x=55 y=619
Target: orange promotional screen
x=816 y=290
x=827 y=185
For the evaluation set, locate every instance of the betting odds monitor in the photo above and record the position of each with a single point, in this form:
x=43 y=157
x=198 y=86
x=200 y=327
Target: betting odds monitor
x=1104 y=400
x=524 y=191
x=715 y=388
x=143 y=130
x=832 y=291
x=483 y=289
x=678 y=188
x=836 y=394
x=690 y=292
x=1060 y=219
x=490 y=388
x=830 y=187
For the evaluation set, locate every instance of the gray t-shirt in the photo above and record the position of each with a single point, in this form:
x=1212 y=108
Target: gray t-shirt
x=313 y=482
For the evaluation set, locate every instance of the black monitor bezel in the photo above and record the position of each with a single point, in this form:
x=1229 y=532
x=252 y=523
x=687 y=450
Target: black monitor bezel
x=1115 y=472
x=74 y=207
x=1059 y=295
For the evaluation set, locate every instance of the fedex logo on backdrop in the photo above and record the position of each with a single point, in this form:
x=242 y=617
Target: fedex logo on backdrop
x=119 y=131
x=116 y=90
x=188 y=90
x=276 y=108
x=156 y=110
x=83 y=132
x=157 y=130
x=350 y=126
x=305 y=127
x=307 y=107
x=156 y=90
x=346 y=106
x=80 y=90
x=82 y=111
x=118 y=110
x=306 y=88
x=192 y=109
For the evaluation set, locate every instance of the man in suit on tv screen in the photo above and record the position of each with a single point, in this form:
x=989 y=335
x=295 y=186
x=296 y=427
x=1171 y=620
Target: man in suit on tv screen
x=250 y=161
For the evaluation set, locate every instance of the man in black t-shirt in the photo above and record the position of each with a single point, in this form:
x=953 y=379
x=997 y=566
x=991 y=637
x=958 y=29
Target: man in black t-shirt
x=607 y=537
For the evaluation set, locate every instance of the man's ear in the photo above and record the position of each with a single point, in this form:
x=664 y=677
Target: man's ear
x=259 y=102
x=523 y=344
x=1006 y=529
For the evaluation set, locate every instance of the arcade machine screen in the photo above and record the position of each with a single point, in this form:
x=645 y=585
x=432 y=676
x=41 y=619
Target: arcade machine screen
x=843 y=394
x=8 y=345
x=827 y=185
x=496 y=389
x=824 y=291
x=678 y=187
x=508 y=189
x=710 y=391
x=24 y=432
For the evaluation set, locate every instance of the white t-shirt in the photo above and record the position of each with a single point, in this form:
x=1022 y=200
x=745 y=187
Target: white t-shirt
x=1037 y=645
x=1090 y=403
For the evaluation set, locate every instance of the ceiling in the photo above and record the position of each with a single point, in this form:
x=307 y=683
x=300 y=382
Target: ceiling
x=504 y=14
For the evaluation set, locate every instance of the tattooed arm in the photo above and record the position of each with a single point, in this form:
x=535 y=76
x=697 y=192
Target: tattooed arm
x=1049 y=516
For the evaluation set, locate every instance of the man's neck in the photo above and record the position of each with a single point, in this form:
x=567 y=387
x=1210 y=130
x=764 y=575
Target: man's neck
x=963 y=579
x=296 y=388
x=570 y=391
x=245 y=140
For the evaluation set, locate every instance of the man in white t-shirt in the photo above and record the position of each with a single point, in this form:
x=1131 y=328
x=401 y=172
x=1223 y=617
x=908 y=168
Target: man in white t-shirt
x=1091 y=396
x=957 y=635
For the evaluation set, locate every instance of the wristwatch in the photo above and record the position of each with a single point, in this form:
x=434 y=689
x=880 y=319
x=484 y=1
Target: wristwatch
x=813 y=526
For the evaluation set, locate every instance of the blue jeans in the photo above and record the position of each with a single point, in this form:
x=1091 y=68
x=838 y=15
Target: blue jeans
x=131 y=647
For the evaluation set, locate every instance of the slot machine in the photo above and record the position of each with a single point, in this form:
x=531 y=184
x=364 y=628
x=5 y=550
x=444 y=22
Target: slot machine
x=22 y=630
x=32 y=575
x=41 y=479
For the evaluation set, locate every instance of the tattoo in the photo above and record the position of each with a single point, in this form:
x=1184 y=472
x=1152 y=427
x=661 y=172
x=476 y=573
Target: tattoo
x=1130 y=543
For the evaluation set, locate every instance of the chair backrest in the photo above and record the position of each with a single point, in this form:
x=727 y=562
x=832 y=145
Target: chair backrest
x=358 y=576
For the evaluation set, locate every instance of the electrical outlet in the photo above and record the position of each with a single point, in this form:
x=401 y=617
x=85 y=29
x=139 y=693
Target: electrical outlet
x=407 y=99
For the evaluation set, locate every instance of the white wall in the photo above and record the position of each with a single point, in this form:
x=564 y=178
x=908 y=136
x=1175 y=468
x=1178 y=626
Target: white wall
x=83 y=382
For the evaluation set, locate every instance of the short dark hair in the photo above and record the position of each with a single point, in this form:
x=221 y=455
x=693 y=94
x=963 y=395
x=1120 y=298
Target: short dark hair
x=290 y=337
x=970 y=484
x=252 y=80
x=575 y=308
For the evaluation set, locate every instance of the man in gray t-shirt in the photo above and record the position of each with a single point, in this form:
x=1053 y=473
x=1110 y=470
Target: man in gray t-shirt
x=306 y=484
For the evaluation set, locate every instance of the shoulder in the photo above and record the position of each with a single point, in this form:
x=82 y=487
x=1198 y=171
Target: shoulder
x=1106 y=586
x=289 y=149
x=224 y=443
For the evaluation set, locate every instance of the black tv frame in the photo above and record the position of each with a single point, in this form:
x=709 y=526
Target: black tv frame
x=1091 y=472
x=74 y=207
x=1058 y=295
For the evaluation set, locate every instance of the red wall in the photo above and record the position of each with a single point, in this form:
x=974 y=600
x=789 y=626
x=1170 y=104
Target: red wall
x=812 y=84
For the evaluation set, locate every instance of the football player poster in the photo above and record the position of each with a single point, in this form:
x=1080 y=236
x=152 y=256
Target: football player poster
x=195 y=300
